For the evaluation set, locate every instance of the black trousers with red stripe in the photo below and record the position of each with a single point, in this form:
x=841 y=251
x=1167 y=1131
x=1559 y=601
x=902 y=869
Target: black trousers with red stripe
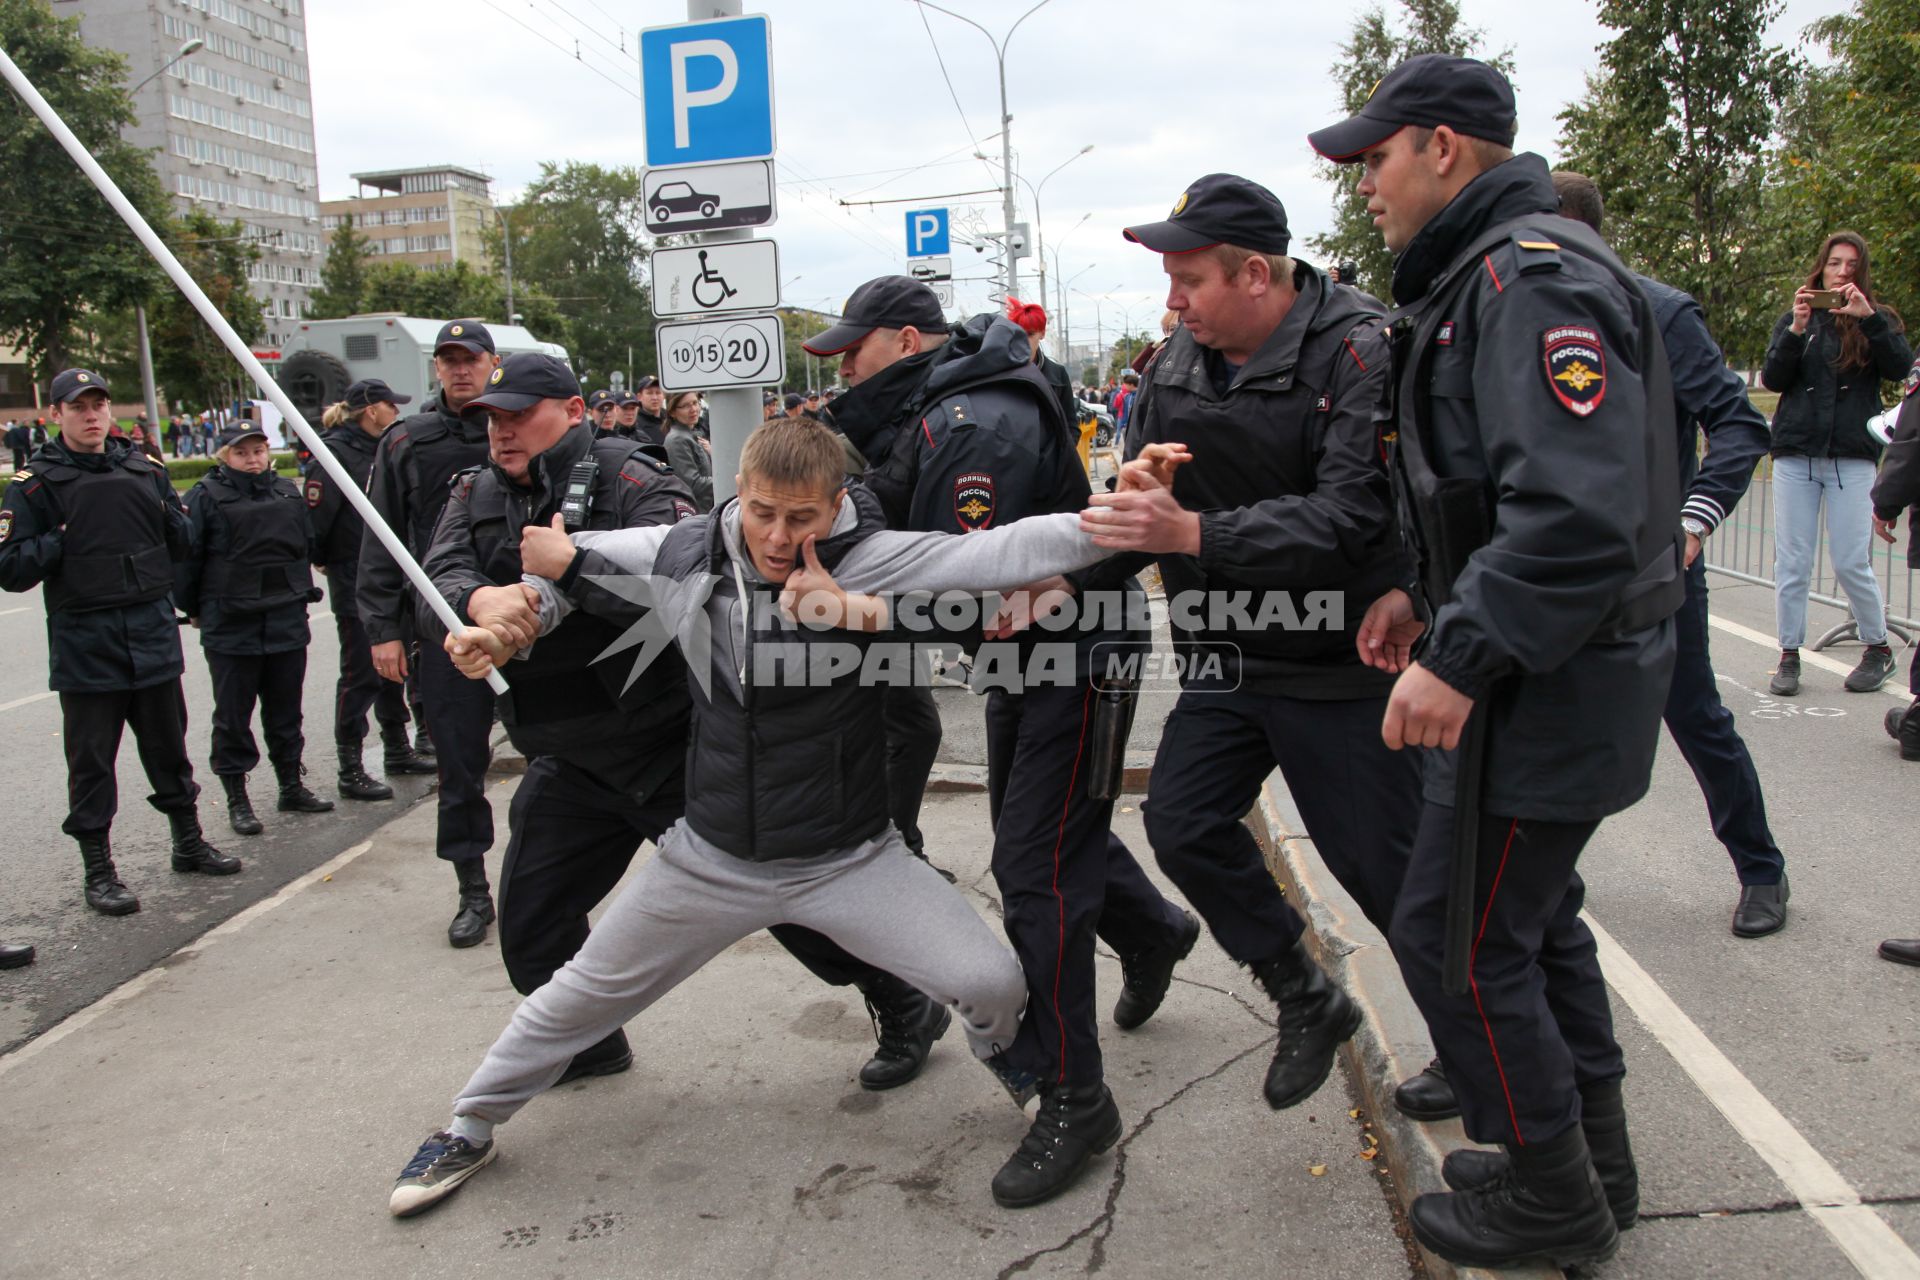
x=1535 y=1023
x=1064 y=877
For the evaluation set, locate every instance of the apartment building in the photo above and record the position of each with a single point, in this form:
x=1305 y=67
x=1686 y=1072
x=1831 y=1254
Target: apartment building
x=430 y=217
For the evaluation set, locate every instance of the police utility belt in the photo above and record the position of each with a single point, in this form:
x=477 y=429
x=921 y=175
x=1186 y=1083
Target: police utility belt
x=1444 y=520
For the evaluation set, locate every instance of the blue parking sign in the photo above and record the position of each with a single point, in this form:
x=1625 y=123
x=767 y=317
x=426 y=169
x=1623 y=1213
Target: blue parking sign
x=707 y=89
x=927 y=233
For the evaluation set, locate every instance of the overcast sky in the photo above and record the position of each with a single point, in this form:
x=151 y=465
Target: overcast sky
x=1164 y=91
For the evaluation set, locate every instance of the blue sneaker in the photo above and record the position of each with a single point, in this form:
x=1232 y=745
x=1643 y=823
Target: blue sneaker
x=1021 y=1086
x=436 y=1171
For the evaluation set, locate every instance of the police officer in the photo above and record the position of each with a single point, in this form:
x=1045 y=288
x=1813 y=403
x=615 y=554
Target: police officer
x=1897 y=489
x=1269 y=386
x=650 y=420
x=354 y=427
x=600 y=407
x=246 y=588
x=962 y=433
x=1536 y=473
x=97 y=522
x=626 y=415
x=413 y=466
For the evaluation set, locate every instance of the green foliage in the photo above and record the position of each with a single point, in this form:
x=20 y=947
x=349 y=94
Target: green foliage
x=578 y=236
x=343 y=287
x=1377 y=45
x=1696 y=88
x=441 y=293
x=188 y=360
x=1851 y=159
x=62 y=250
x=803 y=371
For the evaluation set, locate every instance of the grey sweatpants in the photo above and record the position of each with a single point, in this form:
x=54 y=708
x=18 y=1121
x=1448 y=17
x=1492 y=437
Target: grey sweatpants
x=693 y=900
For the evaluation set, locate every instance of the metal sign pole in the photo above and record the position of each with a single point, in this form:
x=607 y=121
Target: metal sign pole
x=732 y=412
x=241 y=352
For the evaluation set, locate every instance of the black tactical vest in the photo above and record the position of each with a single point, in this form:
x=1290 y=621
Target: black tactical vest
x=113 y=551
x=436 y=453
x=780 y=766
x=265 y=563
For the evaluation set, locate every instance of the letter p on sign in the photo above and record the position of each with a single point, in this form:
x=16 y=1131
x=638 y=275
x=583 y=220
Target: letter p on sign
x=685 y=99
x=707 y=88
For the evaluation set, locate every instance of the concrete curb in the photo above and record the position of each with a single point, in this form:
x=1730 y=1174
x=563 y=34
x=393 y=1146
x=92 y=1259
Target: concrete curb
x=1392 y=1042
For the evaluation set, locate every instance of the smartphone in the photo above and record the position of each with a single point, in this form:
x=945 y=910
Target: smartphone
x=1827 y=299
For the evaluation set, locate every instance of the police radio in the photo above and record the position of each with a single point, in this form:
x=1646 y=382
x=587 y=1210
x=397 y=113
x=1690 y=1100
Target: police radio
x=576 y=503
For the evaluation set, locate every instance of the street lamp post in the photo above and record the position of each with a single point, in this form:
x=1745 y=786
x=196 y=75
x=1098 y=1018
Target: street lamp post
x=1060 y=286
x=1006 y=130
x=147 y=389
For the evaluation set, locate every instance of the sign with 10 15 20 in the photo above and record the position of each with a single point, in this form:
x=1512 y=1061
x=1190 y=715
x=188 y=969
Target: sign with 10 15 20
x=735 y=351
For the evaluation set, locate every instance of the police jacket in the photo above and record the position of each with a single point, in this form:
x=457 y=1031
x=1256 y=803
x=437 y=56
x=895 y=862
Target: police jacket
x=969 y=436
x=1292 y=488
x=1062 y=383
x=250 y=577
x=101 y=532
x=1824 y=409
x=337 y=528
x=561 y=702
x=1897 y=487
x=1536 y=469
x=647 y=429
x=413 y=466
x=1707 y=397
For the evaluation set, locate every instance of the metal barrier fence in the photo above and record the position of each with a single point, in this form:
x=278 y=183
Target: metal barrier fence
x=1742 y=549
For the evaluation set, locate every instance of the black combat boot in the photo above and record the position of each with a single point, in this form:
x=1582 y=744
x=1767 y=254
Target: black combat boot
x=1548 y=1207
x=15 y=955
x=476 y=906
x=423 y=741
x=1904 y=728
x=1603 y=1116
x=240 y=814
x=105 y=893
x=400 y=755
x=1075 y=1124
x=1315 y=1017
x=294 y=796
x=191 y=852
x=355 y=782
x=1146 y=975
x=1427 y=1096
x=906 y=1024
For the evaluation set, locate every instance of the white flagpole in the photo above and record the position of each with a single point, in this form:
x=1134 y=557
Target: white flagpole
x=241 y=352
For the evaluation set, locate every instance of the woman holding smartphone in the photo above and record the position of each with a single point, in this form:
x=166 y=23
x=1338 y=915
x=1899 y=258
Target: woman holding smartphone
x=1827 y=360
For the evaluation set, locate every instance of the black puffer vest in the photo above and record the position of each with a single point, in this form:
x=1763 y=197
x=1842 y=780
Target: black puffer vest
x=780 y=765
x=113 y=551
x=264 y=564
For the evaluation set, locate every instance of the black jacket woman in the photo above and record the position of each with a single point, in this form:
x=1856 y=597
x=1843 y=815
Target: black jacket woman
x=246 y=587
x=1828 y=358
x=687 y=450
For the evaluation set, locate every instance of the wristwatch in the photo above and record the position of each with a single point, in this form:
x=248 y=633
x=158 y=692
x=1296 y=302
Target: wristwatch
x=1694 y=527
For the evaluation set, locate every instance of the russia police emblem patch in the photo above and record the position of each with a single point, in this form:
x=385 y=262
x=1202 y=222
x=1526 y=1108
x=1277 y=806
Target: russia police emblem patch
x=973 y=500
x=314 y=492
x=1576 y=368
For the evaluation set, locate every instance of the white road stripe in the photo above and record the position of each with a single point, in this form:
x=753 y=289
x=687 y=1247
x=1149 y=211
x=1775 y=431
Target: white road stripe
x=1807 y=658
x=30 y=698
x=1875 y=1249
x=25 y=608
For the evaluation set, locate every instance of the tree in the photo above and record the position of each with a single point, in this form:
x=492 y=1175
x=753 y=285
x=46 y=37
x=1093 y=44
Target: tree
x=578 y=234
x=1377 y=46
x=1850 y=159
x=1698 y=90
x=343 y=282
x=62 y=250
x=442 y=293
x=188 y=360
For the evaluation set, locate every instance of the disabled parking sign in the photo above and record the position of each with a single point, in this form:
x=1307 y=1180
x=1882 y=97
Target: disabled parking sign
x=707 y=90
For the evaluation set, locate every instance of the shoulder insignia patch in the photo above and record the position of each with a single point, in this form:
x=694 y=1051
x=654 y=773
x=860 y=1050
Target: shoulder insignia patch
x=1913 y=380
x=1538 y=244
x=1444 y=336
x=6 y=525
x=683 y=510
x=22 y=476
x=1576 y=367
x=315 y=491
x=973 y=500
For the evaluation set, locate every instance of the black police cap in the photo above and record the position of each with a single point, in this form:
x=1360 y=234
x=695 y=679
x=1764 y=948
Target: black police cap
x=646 y=380
x=601 y=398
x=1427 y=91
x=371 y=391
x=239 y=431
x=889 y=302
x=470 y=334
x=1221 y=208
x=71 y=384
x=524 y=379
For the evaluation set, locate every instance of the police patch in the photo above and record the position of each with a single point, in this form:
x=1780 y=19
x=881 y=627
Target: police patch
x=1444 y=338
x=973 y=500
x=6 y=525
x=314 y=491
x=1576 y=368
x=1913 y=380
x=683 y=511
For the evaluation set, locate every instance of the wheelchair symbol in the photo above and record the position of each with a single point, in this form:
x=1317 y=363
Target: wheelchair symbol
x=710 y=288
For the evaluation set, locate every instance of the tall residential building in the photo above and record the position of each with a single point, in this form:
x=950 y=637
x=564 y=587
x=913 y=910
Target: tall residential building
x=230 y=126
x=429 y=217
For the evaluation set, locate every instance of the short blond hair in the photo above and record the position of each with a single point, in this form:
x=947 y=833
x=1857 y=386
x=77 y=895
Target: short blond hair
x=795 y=453
x=1232 y=259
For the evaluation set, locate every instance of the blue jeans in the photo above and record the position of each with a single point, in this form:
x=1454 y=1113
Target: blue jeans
x=1799 y=484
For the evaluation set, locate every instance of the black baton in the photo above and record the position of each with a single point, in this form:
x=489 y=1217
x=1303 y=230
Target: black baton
x=1470 y=757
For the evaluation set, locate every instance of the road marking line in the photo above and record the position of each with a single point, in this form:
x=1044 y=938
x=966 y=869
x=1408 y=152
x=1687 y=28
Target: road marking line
x=25 y=608
x=21 y=702
x=1766 y=641
x=80 y=1019
x=1875 y=1249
